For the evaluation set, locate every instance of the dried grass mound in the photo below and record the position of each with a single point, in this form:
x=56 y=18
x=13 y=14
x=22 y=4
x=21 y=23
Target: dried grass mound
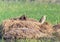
x=47 y=28
x=57 y=30
x=24 y=27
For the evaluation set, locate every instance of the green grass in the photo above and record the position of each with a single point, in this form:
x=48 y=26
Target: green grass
x=32 y=10
x=34 y=40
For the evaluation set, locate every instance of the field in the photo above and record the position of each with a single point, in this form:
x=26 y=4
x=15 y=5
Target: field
x=32 y=10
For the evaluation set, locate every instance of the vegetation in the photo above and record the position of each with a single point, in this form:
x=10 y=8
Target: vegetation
x=40 y=1
x=33 y=10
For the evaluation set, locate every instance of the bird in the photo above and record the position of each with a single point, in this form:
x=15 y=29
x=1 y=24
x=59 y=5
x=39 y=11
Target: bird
x=42 y=20
x=23 y=17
